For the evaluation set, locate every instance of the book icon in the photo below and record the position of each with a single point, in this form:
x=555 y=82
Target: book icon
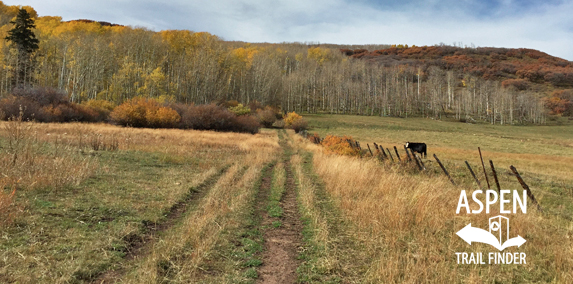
x=499 y=227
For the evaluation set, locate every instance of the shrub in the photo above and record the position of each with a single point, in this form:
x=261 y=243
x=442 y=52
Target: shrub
x=266 y=117
x=291 y=117
x=164 y=117
x=141 y=112
x=560 y=102
x=102 y=107
x=294 y=121
x=247 y=124
x=518 y=84
x=213 y=117
x=13 y=105
x=340 y=145
x=207 y=117
x=131 y=113
x=240 y=109
x=45 y=105
x=315 y=138
x=42 y=96
x=299 y=125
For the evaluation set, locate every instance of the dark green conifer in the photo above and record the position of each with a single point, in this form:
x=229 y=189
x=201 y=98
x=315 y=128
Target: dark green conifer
x=25 y=42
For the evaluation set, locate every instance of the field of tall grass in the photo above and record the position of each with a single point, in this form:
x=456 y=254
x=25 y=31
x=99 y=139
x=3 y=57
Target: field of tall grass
x=84 y=203
x=407 y=222
x=88 y=195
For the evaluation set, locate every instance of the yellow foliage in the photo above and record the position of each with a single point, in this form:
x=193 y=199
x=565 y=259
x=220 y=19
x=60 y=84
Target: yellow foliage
x=320 y=55
x=141 y=112
x=340 y=145
x=240 y=109
x=163 y=117
x=177 y=40
x=244 y=56
x=290 y=118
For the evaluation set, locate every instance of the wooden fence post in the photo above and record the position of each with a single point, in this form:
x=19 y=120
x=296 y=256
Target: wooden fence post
x=495 y=176
x=473 y=174
x=390 y=154
x=444 y=169
x=369 y=149
x=526 y=187
x=407 y=153
x=417 y=162
x=383 y=152
x=484 y=171
x=421 y=162
x=397 y=155
x=378 y=154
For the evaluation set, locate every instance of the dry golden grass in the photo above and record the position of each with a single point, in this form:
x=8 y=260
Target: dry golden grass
x=36 y=165
x=71 y=234
x=185 y=252
x=408 y=225
x=6 y=200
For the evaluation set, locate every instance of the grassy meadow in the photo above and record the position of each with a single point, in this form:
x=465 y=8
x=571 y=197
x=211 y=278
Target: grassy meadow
x=77 y=228
x=407 y=219
x=96 y=203
x=543 y=155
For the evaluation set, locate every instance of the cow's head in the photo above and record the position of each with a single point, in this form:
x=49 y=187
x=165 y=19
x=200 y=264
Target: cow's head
x=407 y=143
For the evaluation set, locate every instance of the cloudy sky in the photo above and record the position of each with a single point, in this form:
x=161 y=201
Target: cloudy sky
x=544 y=25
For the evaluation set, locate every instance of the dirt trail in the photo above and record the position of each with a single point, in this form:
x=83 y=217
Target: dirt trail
x=139 y=246
x=282 y=244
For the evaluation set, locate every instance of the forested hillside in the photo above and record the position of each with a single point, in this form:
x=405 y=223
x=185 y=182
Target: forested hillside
x=98 y=60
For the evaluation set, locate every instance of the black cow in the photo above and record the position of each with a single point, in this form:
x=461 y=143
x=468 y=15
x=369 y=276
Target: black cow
x=417 y=147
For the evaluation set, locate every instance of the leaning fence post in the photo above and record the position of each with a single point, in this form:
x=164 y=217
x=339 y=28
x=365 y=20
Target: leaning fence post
x=421 y=162
x=408 y=154
x=484 y=171
x=390 y=154
x=383 y=152
x=473 y=174
x=444 y=169
x=378 y=151
x=397 y=155
x=417 y=162
x=369 y=149
x=526 y=187
x=494 y=175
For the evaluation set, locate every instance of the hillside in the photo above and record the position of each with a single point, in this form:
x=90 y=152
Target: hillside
x=90 y=60
x=531 y=66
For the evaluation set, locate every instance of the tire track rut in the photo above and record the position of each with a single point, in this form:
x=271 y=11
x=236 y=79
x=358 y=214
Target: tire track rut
x=282 y=244
x=139 y=245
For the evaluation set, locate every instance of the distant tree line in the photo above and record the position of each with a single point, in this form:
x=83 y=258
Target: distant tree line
x=90 y=60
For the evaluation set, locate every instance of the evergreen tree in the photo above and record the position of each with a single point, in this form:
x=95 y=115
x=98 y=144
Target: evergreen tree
x=25 y=42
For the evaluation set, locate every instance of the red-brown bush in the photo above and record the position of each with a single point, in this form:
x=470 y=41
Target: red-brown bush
x=45 y=105
x=266 y=117
x=560 y=102
x=213 y=117
x=519 y=84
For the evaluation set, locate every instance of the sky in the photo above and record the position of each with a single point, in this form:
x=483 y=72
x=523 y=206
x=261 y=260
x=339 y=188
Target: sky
x=542 y=25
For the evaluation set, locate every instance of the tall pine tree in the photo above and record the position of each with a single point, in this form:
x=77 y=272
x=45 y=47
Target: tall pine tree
x=25 y=42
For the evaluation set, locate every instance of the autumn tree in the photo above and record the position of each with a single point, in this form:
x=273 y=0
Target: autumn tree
x=25 y=42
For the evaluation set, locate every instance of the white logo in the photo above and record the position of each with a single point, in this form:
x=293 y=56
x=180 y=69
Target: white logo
x=498 y=235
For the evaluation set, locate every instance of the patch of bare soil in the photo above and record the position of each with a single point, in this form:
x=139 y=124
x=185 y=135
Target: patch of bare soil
x=282 y=244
